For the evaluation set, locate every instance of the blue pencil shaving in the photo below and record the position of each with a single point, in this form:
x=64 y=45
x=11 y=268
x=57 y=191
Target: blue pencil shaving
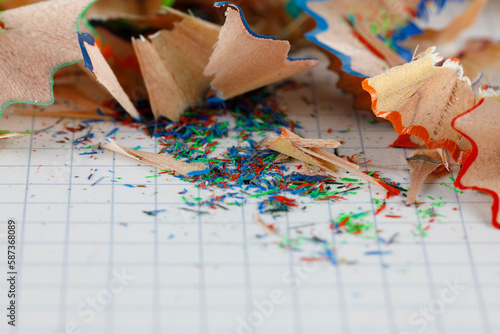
x=393 y=238
x=329 y=253
x=378 y=253
x=478 y=79
x=96 y=182
x=84 y=138
x=115 y=130
x=399 y=33
x=82 y=39
x=199 y=172
x=154 y=212
x=90 y=176
x=216 y=102
x=92 y=121
x=422 y=11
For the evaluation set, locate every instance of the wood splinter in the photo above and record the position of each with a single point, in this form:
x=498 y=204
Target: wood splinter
x=160 y=161
x=268 y=228
x=11 y=135
x=288 y=144
x=422 y=164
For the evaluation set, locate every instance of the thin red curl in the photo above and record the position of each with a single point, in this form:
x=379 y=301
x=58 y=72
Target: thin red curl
x=466 y=165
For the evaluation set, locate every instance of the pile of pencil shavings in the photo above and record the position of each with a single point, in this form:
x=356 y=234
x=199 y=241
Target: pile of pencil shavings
x=185 y=61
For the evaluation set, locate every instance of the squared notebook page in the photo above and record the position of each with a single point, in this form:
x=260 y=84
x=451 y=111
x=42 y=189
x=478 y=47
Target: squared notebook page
x=91 y=261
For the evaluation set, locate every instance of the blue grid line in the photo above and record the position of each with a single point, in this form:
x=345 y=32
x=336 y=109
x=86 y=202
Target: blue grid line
x=344 y=322
x=391 y=318
x=23 y=225
x=428 y=268
x=64 y=277
x=110 y=309
x=246 y=261
x=156 y=283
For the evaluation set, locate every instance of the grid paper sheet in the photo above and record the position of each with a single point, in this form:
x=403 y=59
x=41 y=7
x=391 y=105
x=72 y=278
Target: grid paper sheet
x=179 y=272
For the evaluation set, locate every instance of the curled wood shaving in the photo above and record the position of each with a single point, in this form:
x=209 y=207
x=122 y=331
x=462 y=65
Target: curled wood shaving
x=421 y=99
x=243 y=61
